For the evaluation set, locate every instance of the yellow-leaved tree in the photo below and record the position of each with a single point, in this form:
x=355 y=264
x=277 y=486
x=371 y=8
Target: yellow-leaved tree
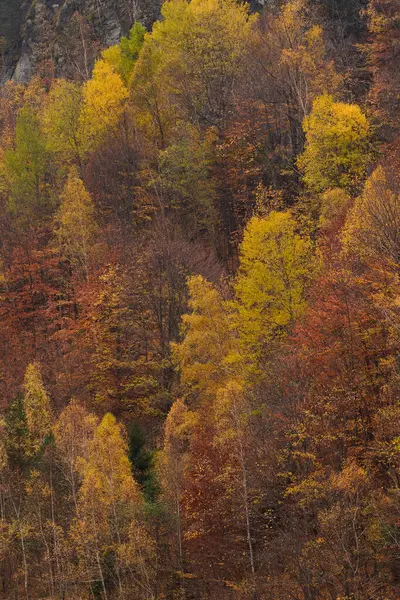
x=76 y=225
x=107 y=534
x=60 y=119
x=303 y=67
x=104 y=99
x=225 y=338
x=276 y=266
x=171 y=465
x=372 y=229
x=204 y=351
x=37 y=408
x=337 y=145
x=190 y=62
x=73 y=433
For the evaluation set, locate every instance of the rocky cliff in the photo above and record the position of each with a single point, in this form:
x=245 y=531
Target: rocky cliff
x=63 y=36
x=10 y=13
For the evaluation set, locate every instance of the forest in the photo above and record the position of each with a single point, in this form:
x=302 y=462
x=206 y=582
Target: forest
x=200 y=308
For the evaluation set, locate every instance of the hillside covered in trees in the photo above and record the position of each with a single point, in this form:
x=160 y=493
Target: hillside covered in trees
x=200 y=303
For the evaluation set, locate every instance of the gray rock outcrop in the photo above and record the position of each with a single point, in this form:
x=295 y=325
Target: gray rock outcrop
x=62 y=37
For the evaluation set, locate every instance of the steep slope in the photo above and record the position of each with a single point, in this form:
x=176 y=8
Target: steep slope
x=55 y=35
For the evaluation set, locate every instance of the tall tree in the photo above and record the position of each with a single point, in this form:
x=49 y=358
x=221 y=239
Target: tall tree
x=28 y=171
x=104 y=98
x=60 y=119
x=76 y=225
x=108 y=536
x=276 y=266
x=204 y=350
x=37 y=407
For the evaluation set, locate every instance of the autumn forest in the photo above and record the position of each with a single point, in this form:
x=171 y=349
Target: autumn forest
x=200 y=308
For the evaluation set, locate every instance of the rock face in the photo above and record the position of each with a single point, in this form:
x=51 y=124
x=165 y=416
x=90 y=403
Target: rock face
x=10 y=23
x=63 y=36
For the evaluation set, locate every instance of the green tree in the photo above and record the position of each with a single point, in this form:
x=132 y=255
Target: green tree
x=122 y=57
x=16 y=432
x=185 y=179
x=143 y=462
x=60 y=118
x=28 y=171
